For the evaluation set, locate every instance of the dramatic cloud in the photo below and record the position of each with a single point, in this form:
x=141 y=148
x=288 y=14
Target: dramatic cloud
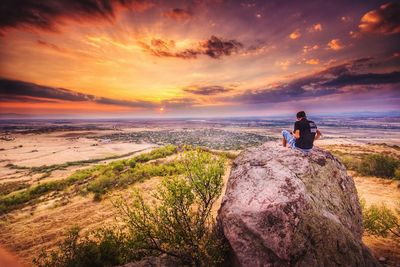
x=328 y=82
x=384 y=20
x=11 y=90
x=178 y=14
x=214 y=47
x=212 y=55
x=207 y=90
x=364 y=79
x=47 y=14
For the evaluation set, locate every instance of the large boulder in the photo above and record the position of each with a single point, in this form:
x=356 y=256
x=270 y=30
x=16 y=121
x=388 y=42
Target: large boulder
x=285 y=208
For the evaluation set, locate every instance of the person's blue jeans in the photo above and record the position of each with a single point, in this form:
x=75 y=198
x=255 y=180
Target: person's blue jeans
x=291 y=141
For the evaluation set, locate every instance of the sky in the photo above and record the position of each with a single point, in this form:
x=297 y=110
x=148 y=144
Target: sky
x=200 y=58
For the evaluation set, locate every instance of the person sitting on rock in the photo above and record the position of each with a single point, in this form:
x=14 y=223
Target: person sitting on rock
x=304 y=134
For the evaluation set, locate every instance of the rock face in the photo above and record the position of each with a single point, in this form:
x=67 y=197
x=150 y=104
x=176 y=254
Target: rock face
x=284 y=208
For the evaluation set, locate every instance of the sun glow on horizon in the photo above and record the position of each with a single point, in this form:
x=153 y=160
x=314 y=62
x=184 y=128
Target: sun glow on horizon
x=192 y=57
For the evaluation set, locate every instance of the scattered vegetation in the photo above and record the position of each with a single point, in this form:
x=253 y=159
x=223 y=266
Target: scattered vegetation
x=367 y=164
x=8 y=187
x=179 y=225
x=15 y=199
x=102 y=178
x=103 y=247
x=50 y=168
x=121 y=176
x=206 y=137
x=379 y=165
x=379 y=220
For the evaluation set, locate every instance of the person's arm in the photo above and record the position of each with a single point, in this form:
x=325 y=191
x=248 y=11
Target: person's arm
x=296 y=134
x=318 y=135
x=296 y=130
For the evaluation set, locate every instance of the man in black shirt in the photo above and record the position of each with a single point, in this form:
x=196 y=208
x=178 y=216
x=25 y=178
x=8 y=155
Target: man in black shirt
x=304 y=134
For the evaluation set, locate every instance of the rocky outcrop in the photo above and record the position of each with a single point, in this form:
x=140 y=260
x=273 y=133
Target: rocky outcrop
x=285 y=208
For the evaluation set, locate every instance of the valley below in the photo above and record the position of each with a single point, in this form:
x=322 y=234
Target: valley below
x=58 y=174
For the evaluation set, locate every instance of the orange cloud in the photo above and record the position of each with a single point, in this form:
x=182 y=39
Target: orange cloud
x=309 y=48
x=316 y=28
x=294 y=35
x=284 y=64
x=335 y=44
x=384 y=20
x=213 y=47
x=313 y=61
x=60 y=107
x=63 y=50
x=48 y=15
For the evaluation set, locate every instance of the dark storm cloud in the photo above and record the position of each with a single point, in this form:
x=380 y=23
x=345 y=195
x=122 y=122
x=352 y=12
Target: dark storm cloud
x=25 y=89
x=214 y=47
x=11 y=90
x=207 y=90
x=367 y=79
x=384 y=20
x=178 y=14
x=328 y=82
x=24 y=99
x=46 y=14
x=19 y=91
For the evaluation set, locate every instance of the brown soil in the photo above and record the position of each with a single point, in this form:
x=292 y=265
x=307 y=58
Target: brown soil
x=27 y=231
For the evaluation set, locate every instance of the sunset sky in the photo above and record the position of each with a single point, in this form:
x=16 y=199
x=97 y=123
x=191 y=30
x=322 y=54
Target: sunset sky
x=134 y=58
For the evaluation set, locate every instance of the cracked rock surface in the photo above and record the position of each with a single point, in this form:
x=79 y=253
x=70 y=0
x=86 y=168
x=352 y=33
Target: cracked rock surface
x=285 y=208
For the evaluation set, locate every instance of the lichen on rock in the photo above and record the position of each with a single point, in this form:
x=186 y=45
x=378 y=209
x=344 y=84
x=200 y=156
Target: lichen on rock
x=285 y=208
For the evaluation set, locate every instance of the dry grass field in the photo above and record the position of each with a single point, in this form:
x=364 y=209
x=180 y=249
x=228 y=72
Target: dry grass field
x=41 y=223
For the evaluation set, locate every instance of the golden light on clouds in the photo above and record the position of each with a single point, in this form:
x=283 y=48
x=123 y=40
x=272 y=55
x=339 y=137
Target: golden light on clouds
x=335 y=44
x=315 y=28
x=383 y=20
x=295 y=35
x=176 y=56
x=313 y=61
x=309 y=48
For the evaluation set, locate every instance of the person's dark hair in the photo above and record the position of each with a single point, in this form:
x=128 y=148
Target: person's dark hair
x=301 y=114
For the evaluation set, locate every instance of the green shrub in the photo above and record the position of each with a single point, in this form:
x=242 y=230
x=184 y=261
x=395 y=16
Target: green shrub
x=8 y=187
x=381 y=221
x=181 y=225
x=108 y=180
x=350 y=162
x=81 y=175
x=103 y=247
x=378 y=165
x=397 y=173
x=371 y=164
x=118 y=166
x=101 y=183
x=157 y=153
x=13 y=200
